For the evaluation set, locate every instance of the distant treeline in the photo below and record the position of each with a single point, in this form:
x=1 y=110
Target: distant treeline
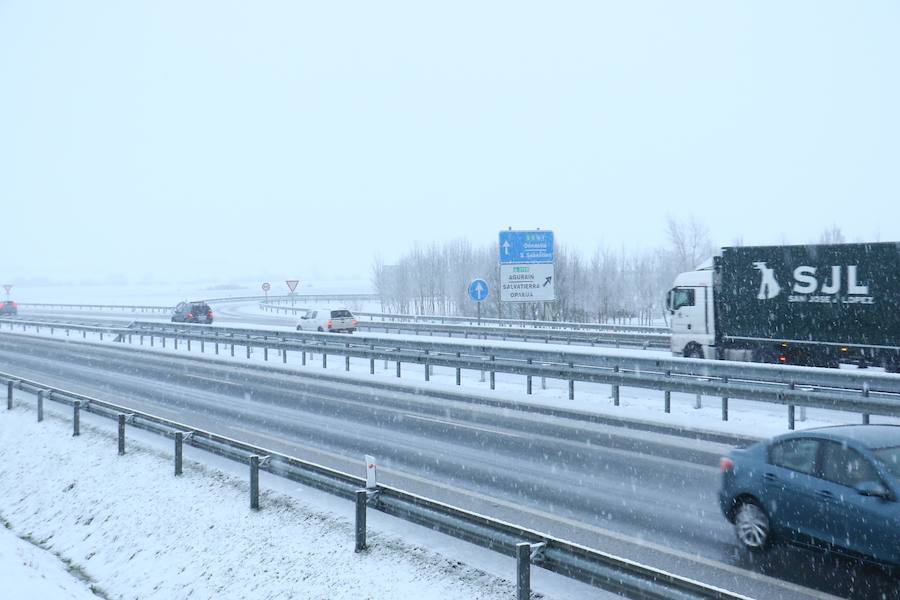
x=610 y=285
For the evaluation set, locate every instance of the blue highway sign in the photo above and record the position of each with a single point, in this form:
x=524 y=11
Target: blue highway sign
x=478 y=290
x=526 y=247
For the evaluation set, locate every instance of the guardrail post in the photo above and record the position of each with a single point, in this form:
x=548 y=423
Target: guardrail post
x=791 y=423
x=40 y=405
x=179 y=450
x=202 y=346
x=254 y=482
x=668 y=396
x=121 y=419
x=217 y=344
x=248 y=347
x=724 y=408
x=101 y=333
x=361 y=496
x=571 y=384
x=151 y=340
x=427 y=370
x=528 y=380
x=265 y=353
x=398 y=368
x=458 y=370
x=347 y=361
x=174 y=343
x=76 y=418
x=523 y=571
x=303 y=357
x=615 y=388
x=9 y=395
x=324 y=360
x=493 y=375
x=372 y=360
x=164 y=340
x=865 y=393
x=283 y=353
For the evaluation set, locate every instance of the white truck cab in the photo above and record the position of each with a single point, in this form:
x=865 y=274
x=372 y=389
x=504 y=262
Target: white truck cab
x=690 y=302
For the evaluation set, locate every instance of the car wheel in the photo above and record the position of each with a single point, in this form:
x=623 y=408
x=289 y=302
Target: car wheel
x=752 y=527
x=320 y=330
x=298 y=328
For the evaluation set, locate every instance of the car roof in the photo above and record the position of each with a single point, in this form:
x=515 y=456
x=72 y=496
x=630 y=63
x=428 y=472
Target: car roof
x=869 y=436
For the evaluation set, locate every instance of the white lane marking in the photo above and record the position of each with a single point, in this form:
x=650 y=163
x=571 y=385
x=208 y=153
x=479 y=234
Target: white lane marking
x=799 y=589
x=453 y=424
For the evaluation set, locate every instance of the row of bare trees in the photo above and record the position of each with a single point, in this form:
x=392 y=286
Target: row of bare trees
x=626 y=285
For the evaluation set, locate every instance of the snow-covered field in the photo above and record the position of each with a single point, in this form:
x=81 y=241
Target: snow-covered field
x=168 y=294
x=127 y=527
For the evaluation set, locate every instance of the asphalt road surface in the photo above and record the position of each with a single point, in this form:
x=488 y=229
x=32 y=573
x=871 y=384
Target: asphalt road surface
x=646 y=496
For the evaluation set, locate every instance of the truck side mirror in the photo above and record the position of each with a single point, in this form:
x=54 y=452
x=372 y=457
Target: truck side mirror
x=669 y=305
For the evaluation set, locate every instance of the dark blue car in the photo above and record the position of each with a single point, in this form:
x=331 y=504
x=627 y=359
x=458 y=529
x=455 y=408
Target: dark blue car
x=833 y=487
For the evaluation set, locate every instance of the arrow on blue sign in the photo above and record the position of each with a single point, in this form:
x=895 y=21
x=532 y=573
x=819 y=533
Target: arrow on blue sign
x=478 y=290
x=526 y=247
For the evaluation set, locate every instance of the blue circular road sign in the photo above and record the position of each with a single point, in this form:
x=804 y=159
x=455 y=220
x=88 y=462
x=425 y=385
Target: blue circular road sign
x=478 y=290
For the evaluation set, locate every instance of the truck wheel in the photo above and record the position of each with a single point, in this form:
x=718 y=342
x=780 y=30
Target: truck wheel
x=693 y=351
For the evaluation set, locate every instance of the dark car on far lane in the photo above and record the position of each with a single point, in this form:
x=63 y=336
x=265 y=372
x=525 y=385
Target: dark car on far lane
x=8 y=307
x=836 y=488
x=192 y=312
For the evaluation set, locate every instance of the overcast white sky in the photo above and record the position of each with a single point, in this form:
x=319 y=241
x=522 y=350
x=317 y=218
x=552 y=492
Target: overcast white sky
x=168 y=138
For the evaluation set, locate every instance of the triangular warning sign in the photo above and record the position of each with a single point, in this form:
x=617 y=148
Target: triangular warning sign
x=292 y=284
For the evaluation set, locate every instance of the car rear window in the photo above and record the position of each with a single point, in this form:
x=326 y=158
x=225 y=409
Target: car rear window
x=890 y=457
x=341 y=314
x=797 y=455
x=200 y=308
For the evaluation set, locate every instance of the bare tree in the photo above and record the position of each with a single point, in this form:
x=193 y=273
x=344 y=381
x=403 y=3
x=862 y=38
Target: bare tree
x=832 y=235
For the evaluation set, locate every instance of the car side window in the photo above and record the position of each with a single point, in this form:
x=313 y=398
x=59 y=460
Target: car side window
x=796 y=454
x=312 y=315
x=846 y=466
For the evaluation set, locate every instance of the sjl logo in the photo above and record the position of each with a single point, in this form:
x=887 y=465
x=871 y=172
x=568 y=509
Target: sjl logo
x=806 y=282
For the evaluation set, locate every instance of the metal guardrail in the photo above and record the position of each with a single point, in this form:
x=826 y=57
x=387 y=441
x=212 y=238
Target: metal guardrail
x=561 y=556
x=591 y=337
x=276 y=305
x=615 y=339
x=862 y=392
x=107 y=307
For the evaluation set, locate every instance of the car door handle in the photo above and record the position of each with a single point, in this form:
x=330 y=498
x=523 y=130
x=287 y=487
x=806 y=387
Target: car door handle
x=825 y=494
x=770 y=477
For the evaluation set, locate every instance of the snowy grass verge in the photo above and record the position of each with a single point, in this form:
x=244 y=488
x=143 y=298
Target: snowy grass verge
x=136 y=531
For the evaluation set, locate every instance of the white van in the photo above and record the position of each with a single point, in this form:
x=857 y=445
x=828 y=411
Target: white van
x=325 y=320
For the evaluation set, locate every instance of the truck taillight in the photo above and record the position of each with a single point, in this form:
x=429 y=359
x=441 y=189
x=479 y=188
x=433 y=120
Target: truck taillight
x=726 y=464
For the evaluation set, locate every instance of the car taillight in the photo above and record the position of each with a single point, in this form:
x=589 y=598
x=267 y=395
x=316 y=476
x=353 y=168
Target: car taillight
x=328 y=325
x=190 y=315
x=355 y=322
x=209 y=315
x=726 y=464
x=782 y=359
